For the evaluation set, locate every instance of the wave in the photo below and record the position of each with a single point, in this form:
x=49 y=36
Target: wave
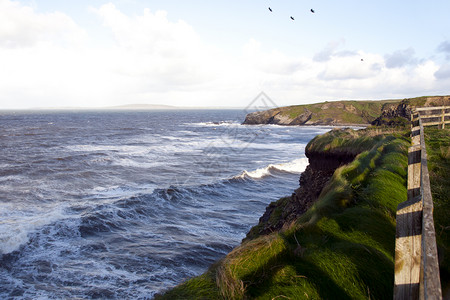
x=214 y=124
x=19 y=224
x=295 y=166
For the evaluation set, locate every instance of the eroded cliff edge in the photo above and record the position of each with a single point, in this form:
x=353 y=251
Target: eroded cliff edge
x=312 y=181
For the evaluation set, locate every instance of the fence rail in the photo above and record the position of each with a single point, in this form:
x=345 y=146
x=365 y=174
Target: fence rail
x=439 y=114
x=416 y=258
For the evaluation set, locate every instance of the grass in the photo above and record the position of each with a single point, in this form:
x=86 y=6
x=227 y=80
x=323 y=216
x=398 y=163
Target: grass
x=351 y=112
x=438 y=152
x=341 y=248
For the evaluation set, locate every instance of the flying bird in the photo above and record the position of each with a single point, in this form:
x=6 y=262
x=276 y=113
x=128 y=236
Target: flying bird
x=270 y=9
x=292 y=18
x=312 y=10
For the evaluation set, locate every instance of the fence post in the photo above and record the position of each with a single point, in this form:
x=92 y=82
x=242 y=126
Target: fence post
x=443 y=119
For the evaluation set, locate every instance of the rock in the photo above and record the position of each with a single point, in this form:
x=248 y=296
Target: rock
x=281 y=119
x=400 y=114
x=302 y=118
x=350 y=108
x=260 y=117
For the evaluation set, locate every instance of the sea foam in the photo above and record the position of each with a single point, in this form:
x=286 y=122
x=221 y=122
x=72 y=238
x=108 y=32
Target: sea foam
x=295 y=166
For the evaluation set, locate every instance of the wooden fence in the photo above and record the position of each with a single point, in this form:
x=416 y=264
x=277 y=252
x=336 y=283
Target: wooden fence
x=416 y=258
x=434 y=115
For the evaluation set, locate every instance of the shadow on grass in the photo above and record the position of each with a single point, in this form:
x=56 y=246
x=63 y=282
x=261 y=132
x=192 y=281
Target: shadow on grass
x=369 y=272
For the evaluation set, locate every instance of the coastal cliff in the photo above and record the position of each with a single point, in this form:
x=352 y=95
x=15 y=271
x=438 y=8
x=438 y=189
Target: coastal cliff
x=312 y=181
x=331 y=238
x=381 y=112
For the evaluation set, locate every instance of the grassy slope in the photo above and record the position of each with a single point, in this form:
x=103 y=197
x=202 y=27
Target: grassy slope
x=351 y=112
x=438 y=152
x=342 y=248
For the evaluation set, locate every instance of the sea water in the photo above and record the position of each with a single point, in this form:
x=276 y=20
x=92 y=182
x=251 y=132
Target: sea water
x=125 y=204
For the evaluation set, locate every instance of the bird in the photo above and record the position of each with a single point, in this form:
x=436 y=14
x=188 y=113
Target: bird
x=292 y=18
x=362 y=59
x=270 y=9
x=312 y=10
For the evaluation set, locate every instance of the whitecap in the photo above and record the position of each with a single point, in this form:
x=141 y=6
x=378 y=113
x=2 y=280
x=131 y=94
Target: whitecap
x=295 y=166
x=17 y=224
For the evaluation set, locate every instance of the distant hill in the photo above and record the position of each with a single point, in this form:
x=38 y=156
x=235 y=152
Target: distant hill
x=341 y=112
x=141 y=107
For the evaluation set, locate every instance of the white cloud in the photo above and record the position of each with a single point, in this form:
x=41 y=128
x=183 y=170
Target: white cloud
x=443 y=72
x=350 y=67
x=273 y=62
x=401 y=58
x=444 y=47
x=330 y=50
x=21 y=26
x=46 y=60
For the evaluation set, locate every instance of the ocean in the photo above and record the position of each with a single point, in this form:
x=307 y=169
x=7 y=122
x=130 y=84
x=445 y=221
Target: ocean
x=125 y=204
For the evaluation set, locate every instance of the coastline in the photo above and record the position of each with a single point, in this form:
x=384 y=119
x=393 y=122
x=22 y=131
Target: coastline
x=339 y=215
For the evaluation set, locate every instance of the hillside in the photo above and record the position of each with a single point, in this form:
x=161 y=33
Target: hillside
x=342 y=112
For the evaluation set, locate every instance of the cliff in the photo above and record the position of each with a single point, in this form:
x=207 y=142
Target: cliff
x=312 y=181
x=382 y=112
x=327 y=113
x=331 y=238
x=400 y=113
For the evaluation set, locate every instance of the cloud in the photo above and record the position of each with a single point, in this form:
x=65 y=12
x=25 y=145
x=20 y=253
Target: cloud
x=149 y=45
x=443 y=72
x=400 y=58
x=444 y=47
x=326 y=53
x=21 y=26
x=348 y=67
x=47 y=60
x=273 y=62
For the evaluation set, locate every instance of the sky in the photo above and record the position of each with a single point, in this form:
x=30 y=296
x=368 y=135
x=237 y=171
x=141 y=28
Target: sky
x=95 y=53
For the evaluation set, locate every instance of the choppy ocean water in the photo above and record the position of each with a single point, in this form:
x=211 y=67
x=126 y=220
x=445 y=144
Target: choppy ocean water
x=123 y=205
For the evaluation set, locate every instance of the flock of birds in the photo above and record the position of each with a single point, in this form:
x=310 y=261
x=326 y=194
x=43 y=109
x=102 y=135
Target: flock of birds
x=292 y=18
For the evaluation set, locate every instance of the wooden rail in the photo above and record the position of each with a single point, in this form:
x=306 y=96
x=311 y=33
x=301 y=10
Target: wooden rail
x=416 y=258
x=439 y=115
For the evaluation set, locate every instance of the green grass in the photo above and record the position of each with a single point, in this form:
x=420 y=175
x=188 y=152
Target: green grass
x=341 y=248
x=351 y=112
x=438 y=152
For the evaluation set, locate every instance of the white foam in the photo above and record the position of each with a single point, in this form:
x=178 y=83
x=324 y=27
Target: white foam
x=114 y=192
x=16 y=224
x=295 y=166
x=126 y=162
x=121 y=149
x=214 y=124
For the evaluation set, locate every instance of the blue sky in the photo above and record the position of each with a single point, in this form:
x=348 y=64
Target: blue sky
x=196 y=53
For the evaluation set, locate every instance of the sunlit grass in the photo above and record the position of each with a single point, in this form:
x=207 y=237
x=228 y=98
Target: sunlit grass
x=438 y=152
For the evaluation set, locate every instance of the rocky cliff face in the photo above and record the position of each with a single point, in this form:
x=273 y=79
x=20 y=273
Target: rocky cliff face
x=286 y=210
x=327 y=113
x=277 y=116
x=393 y=114
x=383 y=112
